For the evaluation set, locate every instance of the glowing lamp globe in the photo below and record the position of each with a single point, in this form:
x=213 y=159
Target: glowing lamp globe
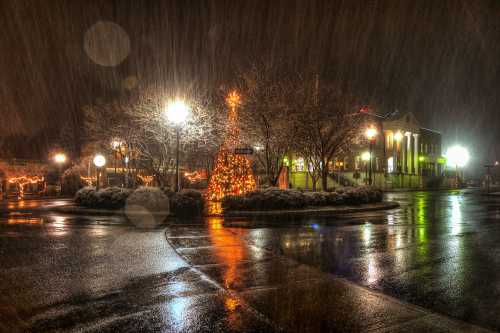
x=99 y=160
x=60 y=158
x=457 y=156
x=398 y=136
x=365 y=156
x=115 y=144
x=177 y=112
x=371 y=133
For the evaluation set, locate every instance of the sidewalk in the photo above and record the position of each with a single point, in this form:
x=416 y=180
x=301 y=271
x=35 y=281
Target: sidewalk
x=292 y=296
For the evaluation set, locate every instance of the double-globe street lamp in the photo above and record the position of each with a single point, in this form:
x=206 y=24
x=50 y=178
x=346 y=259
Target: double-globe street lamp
x=371 y=135
x=99 y=162
x=177 y=113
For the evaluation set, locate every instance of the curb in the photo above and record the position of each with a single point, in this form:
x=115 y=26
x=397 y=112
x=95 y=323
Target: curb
x=90 y=211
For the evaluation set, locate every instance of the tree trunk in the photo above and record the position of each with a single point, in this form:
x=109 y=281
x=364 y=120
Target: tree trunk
x=268 y=167
x=324 y=179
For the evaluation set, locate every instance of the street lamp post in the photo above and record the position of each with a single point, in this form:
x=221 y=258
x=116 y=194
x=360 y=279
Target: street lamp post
x=488 y=175
x=366 y=157
x=126 y=159
x=115 y=146
x=177 y=113
x=371 y=134
x=99 y=162
x=60 y=159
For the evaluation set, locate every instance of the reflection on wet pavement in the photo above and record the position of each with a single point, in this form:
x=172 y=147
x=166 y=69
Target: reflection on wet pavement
x=282 y=271
x=439 y=251
x=98 y=274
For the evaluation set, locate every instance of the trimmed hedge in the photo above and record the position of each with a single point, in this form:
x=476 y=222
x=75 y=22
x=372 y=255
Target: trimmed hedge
x=71 y=181
x=186 y=203
x=274 y=198
x=147 y=207
x=108 y=198
x=150 y=198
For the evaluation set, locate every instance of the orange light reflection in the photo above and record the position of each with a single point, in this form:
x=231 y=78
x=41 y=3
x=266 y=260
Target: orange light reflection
x=229 y=249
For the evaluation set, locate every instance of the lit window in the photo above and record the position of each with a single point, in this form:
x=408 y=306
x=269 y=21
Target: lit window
x=390 y=164
x=299 y=164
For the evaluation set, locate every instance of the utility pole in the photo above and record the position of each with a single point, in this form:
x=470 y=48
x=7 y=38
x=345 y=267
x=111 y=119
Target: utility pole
x=488 y=175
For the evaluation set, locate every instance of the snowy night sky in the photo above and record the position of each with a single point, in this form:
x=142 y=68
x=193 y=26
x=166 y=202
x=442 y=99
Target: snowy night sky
x=438 y=59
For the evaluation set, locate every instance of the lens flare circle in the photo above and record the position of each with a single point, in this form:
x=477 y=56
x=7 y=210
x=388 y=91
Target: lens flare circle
x=106 y=44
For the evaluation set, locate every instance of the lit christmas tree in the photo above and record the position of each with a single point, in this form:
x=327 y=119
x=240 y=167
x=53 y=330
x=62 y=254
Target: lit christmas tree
x=232 y=174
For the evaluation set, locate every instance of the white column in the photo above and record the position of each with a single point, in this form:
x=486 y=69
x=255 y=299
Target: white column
x=415 y=154
x=408 y=152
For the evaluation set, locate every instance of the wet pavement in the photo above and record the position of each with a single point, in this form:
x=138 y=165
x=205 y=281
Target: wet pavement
x=440 y=251
x=98 y=274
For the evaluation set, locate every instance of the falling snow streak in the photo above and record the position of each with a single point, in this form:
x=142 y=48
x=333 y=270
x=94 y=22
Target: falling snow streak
x=437 y=59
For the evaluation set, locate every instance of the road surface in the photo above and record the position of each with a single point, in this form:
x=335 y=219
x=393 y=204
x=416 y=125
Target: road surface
x=440 y=251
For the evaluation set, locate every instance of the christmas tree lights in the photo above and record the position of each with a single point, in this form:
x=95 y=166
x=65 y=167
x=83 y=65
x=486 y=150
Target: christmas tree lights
x=232 y=174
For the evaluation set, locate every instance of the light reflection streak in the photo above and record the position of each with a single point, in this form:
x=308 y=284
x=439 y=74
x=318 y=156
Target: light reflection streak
x=177 y=310
x=456 y=216
x=229 y=249
x=373 y=273
x=24 y=220
x=367 y=234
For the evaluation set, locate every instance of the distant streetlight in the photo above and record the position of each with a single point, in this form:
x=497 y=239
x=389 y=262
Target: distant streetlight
x=115 y=144
x=371 y=135
x=177 y=113
x=60 y=159
x=99 y=162
x=457 y=156
x=398 y=136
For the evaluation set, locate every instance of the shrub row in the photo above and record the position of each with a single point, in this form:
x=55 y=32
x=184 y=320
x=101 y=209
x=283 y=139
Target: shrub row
x=108 y=198
x=186 y=203
x=274 y=198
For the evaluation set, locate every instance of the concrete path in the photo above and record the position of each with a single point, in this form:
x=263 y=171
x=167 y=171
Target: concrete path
x=295 y=297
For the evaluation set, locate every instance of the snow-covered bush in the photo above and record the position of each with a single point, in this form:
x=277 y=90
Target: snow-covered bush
x=187 y=203
x=167 y=191
x=274 y=198
x=71 y=180
x=151 y=198
x=269 y=198
x=86 y=197
x=233 y=202
x=316 y=198
x=360 y=195
x=108 y=198
x=147 y=207
x=334 y=198
x=112 y=197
